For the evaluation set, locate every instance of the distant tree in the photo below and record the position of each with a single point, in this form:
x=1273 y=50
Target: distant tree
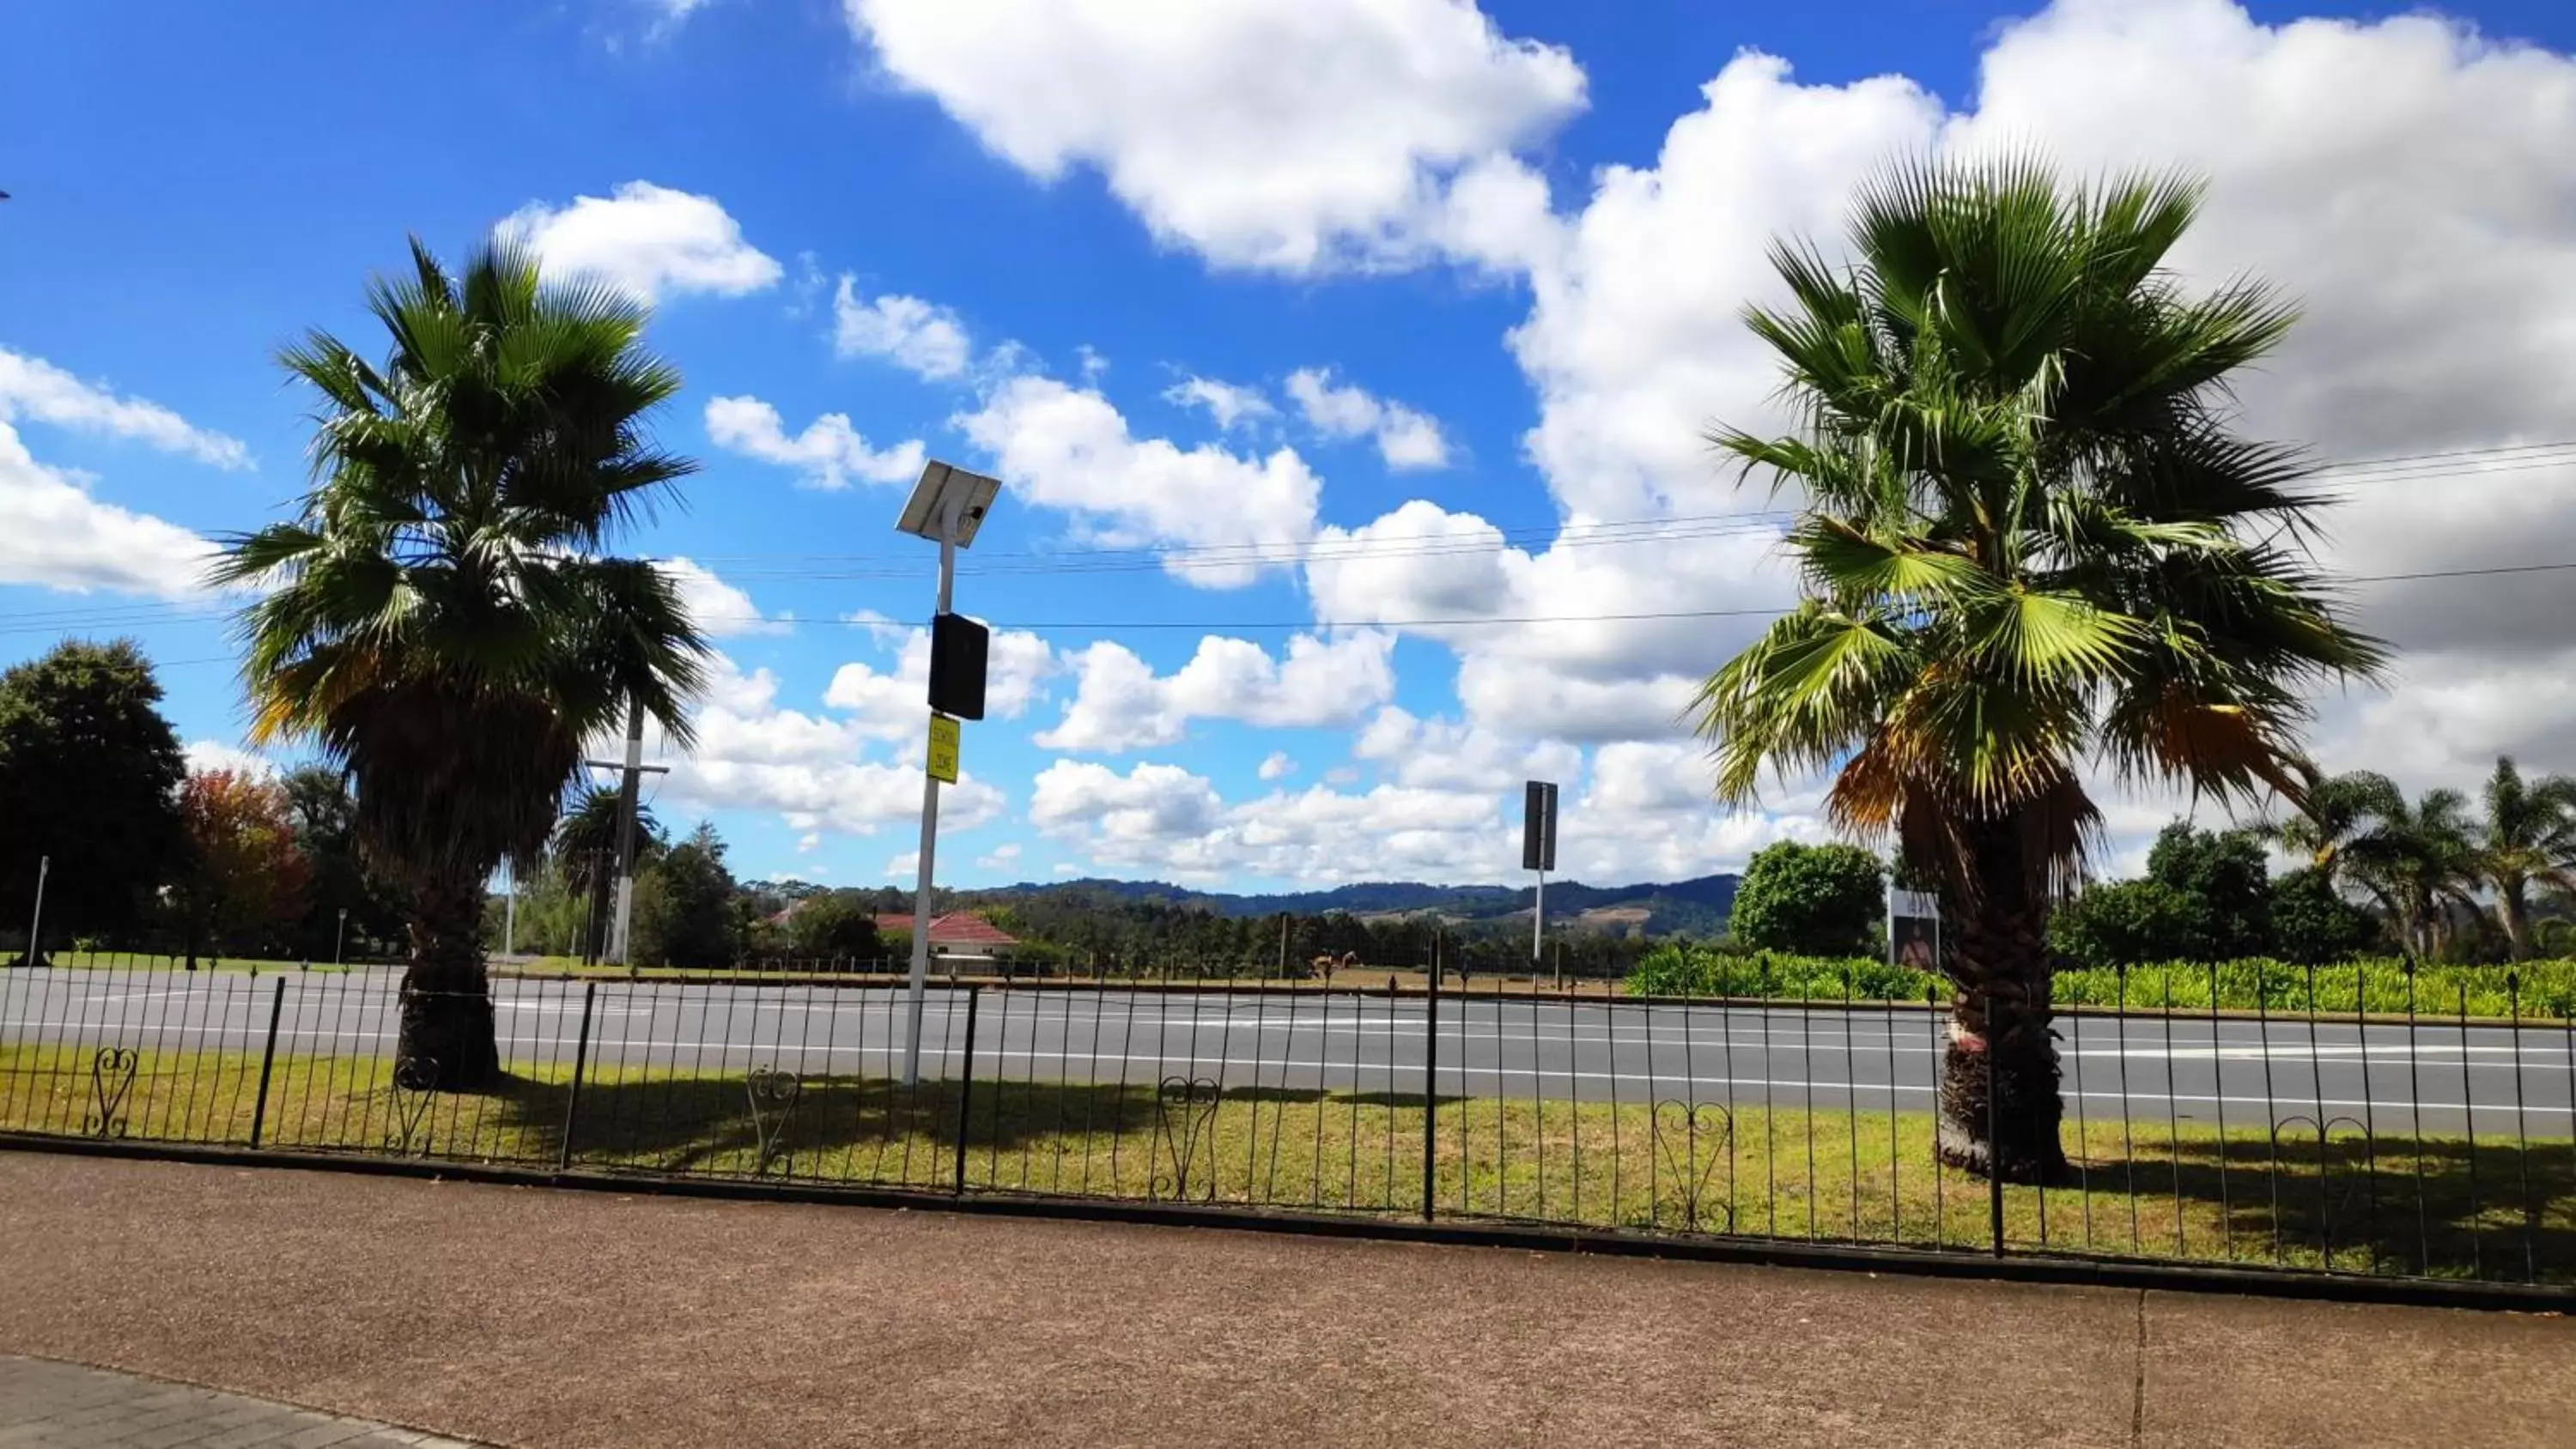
x=835 y=924
x=2529 y=842
x=2123 y=923
x=1817 y=900
x=692 y=921
x=2225 y=881
x=2339 y=810
x=325 y=817
x=584 y=847
x=2421 y=863
x=244 y=879
x=89 y=775
x=2313 y=924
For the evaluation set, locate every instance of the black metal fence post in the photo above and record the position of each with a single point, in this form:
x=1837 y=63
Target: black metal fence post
x=966 y=1085
x=1994 y=1137
x=267 y=1062
x=580 y=1060
x=1430 y=1080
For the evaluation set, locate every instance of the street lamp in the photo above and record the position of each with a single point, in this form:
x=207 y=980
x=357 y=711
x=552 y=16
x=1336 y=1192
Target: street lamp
x=947 y=507
x=342 y=939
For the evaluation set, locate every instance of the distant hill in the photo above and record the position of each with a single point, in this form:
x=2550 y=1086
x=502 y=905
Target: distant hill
x=1698 y=906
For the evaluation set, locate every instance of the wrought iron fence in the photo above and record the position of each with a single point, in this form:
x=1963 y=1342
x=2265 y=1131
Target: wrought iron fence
x=2424 y=1144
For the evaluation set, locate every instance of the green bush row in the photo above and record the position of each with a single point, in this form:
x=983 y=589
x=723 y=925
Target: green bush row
x=2379 y=986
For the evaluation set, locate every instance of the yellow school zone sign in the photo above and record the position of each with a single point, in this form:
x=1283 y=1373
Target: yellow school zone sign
x=943 y=749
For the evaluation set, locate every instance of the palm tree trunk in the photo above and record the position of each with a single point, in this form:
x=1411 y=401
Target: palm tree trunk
x=2516 y=910
x=446 y=1042
x=2000 y=1107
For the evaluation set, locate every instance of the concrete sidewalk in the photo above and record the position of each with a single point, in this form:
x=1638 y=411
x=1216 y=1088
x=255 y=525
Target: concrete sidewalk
x=544 y=1318
x=47 y=1405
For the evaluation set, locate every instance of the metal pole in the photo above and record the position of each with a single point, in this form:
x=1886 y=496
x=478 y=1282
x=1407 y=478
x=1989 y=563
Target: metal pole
x=340 y=938
x=36 y=927
x=267 y=1062
x=510 y=910
x=966 y=1084
x=580 y=1060
x=929 y=826
x=629 y=790
x=1430 y=1081
x=1538 y=923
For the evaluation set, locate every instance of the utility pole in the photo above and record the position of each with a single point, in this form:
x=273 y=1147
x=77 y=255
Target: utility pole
x=632 y=771
x=509 y=908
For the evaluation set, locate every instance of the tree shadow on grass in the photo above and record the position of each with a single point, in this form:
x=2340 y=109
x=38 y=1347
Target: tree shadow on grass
x=2498 y=1210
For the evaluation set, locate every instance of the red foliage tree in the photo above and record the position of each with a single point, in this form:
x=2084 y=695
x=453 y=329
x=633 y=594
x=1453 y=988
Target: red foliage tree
x=244 y=875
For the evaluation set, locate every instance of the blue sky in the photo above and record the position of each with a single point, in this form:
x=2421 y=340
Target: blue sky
x=1290 y=324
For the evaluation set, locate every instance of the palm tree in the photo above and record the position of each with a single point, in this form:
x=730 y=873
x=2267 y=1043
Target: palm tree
x=2336 y=812
x=2028 y=533
x=440 y=617
x=584 y=847
x=2421 y=862
x=2530 y=840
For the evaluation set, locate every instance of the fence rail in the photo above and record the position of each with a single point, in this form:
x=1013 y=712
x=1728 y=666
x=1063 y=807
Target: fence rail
x=2432 y=1145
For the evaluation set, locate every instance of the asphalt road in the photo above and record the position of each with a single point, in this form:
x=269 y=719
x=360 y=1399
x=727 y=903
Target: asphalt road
x=2152 y=1069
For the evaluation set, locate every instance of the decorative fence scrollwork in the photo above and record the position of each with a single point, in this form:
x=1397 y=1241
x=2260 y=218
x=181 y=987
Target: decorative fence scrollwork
x=1184 y=1127
x=111 y=1081
x=773 y=1096
x=1691 y=1138
x=414 y=1089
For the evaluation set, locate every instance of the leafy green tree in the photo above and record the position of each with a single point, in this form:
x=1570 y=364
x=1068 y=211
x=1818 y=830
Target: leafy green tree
x=325 y=818
x=89 y=776
x=838 y=925
x=692 y=919
x=2313 y=924
x=2027 y=535
x=2225 y=884
x=441 y=617
x=2529 y=842
x=1815 y=900
x=2122 y=923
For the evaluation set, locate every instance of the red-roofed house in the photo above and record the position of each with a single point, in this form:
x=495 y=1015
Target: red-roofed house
x=961 y=934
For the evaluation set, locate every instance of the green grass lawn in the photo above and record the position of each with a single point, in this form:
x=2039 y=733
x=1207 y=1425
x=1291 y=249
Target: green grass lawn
x=71 y=960
x=2441 y=1207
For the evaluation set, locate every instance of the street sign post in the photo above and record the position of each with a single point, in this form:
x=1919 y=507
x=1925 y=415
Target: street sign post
x=1538 y=853
x=947 y=506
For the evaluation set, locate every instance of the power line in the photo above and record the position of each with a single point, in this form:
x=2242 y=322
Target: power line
x=1690 y=528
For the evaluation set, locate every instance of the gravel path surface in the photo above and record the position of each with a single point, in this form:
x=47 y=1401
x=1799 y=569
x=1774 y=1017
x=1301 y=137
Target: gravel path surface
x=561 y=1318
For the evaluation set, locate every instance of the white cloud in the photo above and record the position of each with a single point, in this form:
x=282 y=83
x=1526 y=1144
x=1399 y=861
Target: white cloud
x=204 y=756
x=1602 y=637
x=1452 y=755
x=645 y=240
x=808 y=768
x=894 y=704
x=1406 y=439
x=1228 y=403
x=1296 y=135
x=1005 y=856
x=720 y=609
x=32 y=389
x=918 y=336
x=906 y=866
x=1277 y=766
x=829 y=453
x=1060 y=447
x=1121 y=704
x=55 y=535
